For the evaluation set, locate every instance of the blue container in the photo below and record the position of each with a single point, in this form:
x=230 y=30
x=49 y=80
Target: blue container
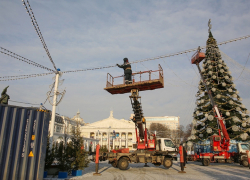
x=76 y=172
x=23 y=140
x=62 y=174
x=45 y=174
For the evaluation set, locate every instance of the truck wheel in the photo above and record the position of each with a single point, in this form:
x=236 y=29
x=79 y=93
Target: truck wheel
x=100 y=158
x=157 y=164
x=123 y=163
x=114 y=164
x=167 y=163
x=205 y=162
x=245 y=163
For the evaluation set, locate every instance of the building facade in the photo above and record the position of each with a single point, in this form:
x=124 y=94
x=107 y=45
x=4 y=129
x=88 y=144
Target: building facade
x=172 y=122
x=64 y=126
x=111 y=132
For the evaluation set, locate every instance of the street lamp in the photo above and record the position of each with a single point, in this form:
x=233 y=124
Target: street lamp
x=98 y=135
x=109 y=139
x=113 y=139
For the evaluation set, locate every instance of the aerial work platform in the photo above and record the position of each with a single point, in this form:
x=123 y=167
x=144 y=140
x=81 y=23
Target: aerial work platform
x=198 y=56
x=141 y=84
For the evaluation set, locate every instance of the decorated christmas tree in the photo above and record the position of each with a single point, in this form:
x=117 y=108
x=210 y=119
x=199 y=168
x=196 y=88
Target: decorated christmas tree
x=219 y=80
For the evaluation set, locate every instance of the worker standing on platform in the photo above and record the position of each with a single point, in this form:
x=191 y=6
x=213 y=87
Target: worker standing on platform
x=127 y=71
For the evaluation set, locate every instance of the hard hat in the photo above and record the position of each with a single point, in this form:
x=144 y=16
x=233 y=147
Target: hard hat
x=125 y=59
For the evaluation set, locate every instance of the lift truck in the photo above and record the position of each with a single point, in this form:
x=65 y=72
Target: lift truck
x=219 y=144
x=160 y=151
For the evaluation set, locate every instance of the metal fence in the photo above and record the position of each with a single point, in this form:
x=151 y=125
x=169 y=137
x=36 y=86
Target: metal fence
x=23 y=139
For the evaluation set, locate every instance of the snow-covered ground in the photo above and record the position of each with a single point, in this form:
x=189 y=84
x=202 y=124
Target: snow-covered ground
x=194 y=170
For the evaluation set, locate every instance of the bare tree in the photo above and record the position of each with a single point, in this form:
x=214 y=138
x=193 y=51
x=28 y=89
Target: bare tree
x=162 y=131
x=181 y=130
x=178 y=134
x=187 y=132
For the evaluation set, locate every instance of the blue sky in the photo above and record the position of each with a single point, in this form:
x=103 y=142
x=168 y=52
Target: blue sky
x=86 y=34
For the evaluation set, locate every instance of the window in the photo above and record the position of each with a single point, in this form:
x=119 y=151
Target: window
x=168 y=143
x=245 y=147
x=58 y=129
x=216 y=138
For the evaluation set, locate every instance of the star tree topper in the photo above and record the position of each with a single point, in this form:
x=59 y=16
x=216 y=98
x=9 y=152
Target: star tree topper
x=209 y=26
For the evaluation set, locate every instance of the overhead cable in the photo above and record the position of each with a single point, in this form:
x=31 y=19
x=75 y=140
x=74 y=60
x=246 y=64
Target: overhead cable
x=177 y=75
x=23 y=102
x=160 y=57
x=11 y=78
x=138 y=61
x=189 y=50
x=18 y=57
x=37 y=29
x=244 y=67
x=192 y=66
x=235 y=62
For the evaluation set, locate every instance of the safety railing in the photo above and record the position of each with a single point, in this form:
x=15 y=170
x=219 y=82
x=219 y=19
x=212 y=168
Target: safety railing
x=111 y=79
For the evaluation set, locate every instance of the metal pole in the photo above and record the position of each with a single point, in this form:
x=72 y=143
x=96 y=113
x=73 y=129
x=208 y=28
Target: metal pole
x=97 y=161
x=248 y=158
x=181 y=159
x=208 y=91
x=98 y=137
x=52 y=122
x=109 y=140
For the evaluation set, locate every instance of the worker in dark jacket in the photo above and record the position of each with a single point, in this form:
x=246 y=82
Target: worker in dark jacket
x=185 y=155
x=127 y=71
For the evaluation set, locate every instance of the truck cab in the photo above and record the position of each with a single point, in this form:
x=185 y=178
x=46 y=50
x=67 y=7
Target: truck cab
x=243 y=147
x=166 y=144
x=241 y=155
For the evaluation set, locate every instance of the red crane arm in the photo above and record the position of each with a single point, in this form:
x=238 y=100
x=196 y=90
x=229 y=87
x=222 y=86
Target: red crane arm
x=221 y=124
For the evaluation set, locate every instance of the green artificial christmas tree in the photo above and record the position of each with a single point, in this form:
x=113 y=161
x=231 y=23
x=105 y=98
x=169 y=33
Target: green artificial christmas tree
x=220 y=82
x=79 y=157
x=50 y=154
x=62 y=157
x=104 y=149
